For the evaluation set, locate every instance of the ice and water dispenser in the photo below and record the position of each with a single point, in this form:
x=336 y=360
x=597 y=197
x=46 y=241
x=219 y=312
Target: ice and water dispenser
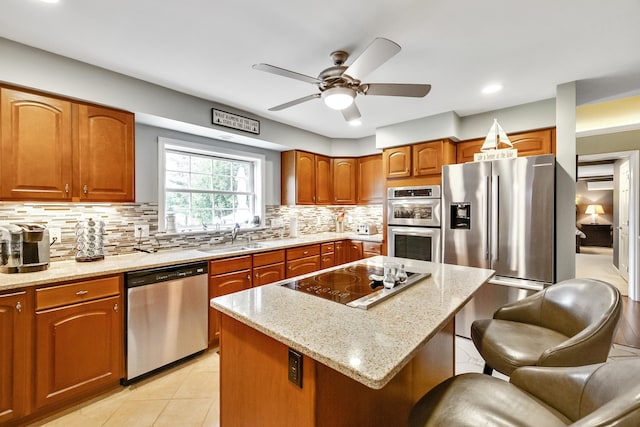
x=460 y=214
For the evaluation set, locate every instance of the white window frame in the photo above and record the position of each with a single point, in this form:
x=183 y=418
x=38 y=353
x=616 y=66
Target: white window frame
x=259 y=177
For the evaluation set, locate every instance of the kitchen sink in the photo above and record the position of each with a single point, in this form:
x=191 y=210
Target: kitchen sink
x=231 y=248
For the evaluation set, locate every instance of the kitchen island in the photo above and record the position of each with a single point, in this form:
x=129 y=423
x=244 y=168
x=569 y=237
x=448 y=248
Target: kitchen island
x=359 y=367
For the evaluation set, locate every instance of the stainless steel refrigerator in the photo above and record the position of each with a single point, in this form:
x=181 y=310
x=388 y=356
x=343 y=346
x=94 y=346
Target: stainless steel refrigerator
x=500 y=215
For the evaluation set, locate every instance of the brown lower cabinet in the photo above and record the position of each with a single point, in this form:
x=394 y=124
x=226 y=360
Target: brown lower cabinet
x=303 y=260
x=14 y=326
x=371 y=249
x=226 y=276
x=327 y=255
x=268 y=267
x=79 y=331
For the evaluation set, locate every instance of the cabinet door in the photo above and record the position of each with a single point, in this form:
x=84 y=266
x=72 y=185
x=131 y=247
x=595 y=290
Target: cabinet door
x=106 y=155
x=341 y=252
x=532 y=143
x=397 y=162
x=370 y=180
x=223 y=284
x=355 y=251
x=305 y=178
x=13 y=360
x=80 y=350
x=36 y=147
x=427 y=158
x=327 y=260
x=466 y=149
x=268 y=274
x=324 y=195
x=371 y=249
x=303 y=266
x=344 y=181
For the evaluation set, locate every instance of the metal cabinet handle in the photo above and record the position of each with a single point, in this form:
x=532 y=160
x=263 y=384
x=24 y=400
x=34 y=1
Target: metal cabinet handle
x=80 y=293
x=115 y=307
x=248 y=277
x=257 y=275
x=19 y=307
x=305 y=252
x=66 y=188
x=85 y=189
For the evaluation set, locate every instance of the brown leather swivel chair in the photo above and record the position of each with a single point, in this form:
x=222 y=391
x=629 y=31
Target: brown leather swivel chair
x=605 y=394
x=571 y=323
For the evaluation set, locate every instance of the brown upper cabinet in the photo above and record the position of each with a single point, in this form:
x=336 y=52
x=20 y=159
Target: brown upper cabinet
x=370 y=182
x=397 y=162
x=306 y=178
x=105 y=152
x=312 y=179
x=53 y=149
x=531 y=143
x=344 y=180
x=423 y=159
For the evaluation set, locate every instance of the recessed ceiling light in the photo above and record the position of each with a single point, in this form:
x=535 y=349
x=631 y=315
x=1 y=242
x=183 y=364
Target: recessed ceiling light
x=492 y=88
x=49 y=1
x=355 y=122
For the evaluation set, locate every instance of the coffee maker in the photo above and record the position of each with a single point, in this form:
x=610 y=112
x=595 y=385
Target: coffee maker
x=24 y=248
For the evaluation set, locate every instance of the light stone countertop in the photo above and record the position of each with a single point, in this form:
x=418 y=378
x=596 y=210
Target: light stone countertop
x=369 y=346
x=62 y=271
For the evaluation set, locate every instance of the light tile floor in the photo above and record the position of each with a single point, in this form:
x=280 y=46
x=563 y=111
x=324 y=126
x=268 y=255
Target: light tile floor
x=188 y=395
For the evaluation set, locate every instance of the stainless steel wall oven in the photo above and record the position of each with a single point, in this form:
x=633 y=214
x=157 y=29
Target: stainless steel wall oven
x=413 y=217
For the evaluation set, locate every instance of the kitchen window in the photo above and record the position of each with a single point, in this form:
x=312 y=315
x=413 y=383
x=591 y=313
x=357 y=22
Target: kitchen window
x=209 y=188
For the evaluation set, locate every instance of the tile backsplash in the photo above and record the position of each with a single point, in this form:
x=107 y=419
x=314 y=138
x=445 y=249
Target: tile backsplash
x=121 y=218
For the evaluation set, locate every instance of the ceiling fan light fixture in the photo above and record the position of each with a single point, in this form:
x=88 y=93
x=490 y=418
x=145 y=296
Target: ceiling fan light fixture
x=338 y=98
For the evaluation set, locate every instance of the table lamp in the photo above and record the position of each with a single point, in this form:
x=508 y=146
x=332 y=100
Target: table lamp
x=594 y=210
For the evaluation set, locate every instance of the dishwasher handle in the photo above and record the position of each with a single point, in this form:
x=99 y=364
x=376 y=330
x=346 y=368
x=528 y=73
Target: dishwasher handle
x=164 y=274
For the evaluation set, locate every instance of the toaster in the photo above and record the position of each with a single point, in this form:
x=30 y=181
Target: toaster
x=366 y=229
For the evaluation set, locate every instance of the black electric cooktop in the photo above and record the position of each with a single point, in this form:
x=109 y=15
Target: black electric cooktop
x=351 y=285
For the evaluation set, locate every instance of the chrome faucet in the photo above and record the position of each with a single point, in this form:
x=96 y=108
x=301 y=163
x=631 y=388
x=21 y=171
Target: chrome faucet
x=234 y=232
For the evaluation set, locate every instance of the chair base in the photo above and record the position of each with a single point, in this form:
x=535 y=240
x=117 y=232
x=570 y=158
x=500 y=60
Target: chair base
x=488 y=370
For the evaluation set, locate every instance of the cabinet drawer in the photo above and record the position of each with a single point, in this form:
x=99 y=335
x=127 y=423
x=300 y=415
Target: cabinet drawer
x=326 y=248
x=303 y=265
x=268 y=274
x=228 y=283
x=303 y=252
x=77 y=292
x=267 y=258
x=372 y=247
x=227 y=265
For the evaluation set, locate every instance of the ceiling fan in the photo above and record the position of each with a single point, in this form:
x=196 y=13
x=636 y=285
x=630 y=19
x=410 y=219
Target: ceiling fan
x=340 y=84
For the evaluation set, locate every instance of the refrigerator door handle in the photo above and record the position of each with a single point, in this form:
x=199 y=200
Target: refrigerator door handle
x=495 y=218
x=487 y=223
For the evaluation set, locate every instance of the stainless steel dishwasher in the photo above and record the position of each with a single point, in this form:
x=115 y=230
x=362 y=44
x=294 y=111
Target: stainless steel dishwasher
x=167 y=316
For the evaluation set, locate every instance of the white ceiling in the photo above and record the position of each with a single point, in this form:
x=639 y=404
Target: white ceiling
x=206 y=48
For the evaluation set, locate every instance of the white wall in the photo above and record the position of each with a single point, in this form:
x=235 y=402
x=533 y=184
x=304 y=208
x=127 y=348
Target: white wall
x=565 y=181
x=534 y=115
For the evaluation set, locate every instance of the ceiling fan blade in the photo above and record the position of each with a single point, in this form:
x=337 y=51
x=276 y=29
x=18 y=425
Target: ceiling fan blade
x=377 y=53
x=285 y=73
x=351 y=112
x=295 y=102
x=395 y=89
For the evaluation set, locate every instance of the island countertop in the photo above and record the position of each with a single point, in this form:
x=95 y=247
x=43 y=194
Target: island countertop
x=369 y=346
